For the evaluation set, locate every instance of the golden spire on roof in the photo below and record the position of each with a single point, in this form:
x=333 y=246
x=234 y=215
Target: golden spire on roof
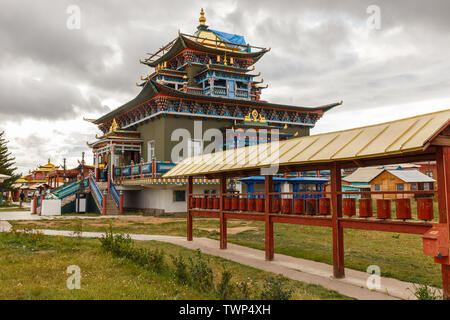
x=202 y=18
x=114 y=126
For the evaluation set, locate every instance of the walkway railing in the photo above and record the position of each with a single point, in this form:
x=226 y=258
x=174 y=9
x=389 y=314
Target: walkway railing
x=95 y=190
x=71 y=189
x=114 y=192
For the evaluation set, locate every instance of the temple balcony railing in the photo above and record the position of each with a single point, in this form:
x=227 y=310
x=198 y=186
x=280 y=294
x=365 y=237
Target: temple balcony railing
x=152 y=169
x=193 y=90
x=242 y=93
x=220 y=91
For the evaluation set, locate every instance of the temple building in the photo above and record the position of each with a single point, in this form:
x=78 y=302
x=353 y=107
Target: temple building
x=196 y=82
x=37 y=179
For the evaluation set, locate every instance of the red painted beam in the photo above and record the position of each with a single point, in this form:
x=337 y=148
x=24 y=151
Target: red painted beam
x=301 y=220
x=338 y=231
x=223 y=220
x=386 y=225
x=269 y=241
x=205 y=213
x=245 y=216
x=443 y=181
x=189 y=227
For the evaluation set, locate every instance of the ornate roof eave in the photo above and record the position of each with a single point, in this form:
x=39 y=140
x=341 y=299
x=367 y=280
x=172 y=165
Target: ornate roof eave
x=183 y=42
x=153 y=88
x=112 y=139
x=148 y=91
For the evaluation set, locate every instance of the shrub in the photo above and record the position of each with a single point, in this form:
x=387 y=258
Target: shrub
x=201 y=272
x=244 y=290
x=122 y=246
x=181 y=270
x=275 y=288
x=425 y=292
x=225 y=288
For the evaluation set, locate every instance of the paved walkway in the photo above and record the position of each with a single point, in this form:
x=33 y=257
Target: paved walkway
x=353 y=285
x=26 y=215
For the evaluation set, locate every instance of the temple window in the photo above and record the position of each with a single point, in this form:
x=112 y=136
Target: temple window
x=179 y=196
x=150 y=150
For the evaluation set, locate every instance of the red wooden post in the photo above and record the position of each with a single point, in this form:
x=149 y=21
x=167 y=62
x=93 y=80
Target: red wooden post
x=153 y=168
x=104 y=204
x=34 y=205
x=189 y=213
x=120 y=202
x=223 y=220
x=443 y=180
x=269 y=223
x=338 y=232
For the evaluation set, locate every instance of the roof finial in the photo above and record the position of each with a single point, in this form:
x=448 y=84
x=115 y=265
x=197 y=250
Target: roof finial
x=202 y=18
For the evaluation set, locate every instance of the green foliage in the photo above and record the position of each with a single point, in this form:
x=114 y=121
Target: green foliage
x=225 y=288
x=276 y=288
x=245 y=290
x=201 y=272
x=122 y=246
x=425 y=292
x=181 y=270
x=6 y=164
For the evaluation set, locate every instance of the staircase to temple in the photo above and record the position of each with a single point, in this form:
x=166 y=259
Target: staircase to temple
x=111 y=207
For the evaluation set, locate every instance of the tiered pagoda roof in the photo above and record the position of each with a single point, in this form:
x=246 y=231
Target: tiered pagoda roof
x=206 y=75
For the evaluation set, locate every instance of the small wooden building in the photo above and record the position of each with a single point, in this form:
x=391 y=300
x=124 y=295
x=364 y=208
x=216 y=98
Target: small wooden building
x=401 y=180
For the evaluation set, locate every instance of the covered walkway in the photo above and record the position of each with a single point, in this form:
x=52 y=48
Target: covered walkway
x=420 y=138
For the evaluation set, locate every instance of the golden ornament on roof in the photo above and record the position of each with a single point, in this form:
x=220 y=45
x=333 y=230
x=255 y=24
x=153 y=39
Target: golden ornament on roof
x=202 y=18
x=114 y=126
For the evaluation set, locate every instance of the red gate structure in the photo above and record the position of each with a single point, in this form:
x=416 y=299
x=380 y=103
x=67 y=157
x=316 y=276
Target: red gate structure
x=420 y=138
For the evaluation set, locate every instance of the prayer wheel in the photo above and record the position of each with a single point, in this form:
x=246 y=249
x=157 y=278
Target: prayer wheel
x=216 y=203
x=259 y=204
x=235 y=203
x=311 y=206
x=299 y=206
x=324 y=206
x=275 y=204
x=198 y=202
x=251 y=204
x=192 y=203
x=425 y=209
x=204 y=203
x=403 y=208
x=365 y=208
x=227 y=203
x=210 y=203
x=243 y=204
x=349 y=207
x=383 y=208
x=287 y=206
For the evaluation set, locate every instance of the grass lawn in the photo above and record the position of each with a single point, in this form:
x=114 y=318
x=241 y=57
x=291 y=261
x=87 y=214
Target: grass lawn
x=34 y=267
x=398 y=255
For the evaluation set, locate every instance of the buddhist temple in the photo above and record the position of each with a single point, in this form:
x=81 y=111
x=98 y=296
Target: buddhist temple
x=196 y=82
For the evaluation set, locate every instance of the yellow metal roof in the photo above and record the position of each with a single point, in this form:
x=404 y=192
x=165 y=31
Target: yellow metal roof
x=395 y=137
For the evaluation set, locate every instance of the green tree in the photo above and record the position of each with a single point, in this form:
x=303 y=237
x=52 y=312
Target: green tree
x=6 y=164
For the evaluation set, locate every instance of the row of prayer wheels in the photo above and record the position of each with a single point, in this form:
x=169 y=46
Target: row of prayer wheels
x=321 y=206
x=311 y=206
x=383 y=209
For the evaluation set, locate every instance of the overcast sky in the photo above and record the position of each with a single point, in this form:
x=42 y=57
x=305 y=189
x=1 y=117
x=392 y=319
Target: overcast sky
x=322 y=52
